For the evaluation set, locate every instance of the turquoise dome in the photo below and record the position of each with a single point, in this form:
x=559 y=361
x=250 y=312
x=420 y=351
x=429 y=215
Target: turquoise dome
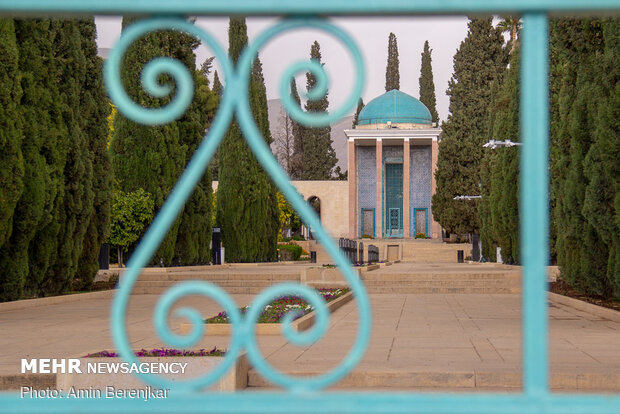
x=397 y=107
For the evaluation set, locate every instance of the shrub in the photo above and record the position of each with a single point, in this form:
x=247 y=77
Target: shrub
x=285 y=239
x=298 y=238
x=366 y=236
x=420 y=236
x=290 y=251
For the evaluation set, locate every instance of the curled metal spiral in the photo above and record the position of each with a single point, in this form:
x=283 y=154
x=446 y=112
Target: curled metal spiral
x=235 y=101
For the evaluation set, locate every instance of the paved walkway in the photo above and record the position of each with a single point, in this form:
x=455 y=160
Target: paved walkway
x=463 y=340
x=418 y=340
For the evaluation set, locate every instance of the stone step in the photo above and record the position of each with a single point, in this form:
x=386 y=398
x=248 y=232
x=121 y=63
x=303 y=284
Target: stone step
x=404 y=277
x=221 y=283
x=158 y=290
x=217 y=276
x=442 y=283
x=443 y=290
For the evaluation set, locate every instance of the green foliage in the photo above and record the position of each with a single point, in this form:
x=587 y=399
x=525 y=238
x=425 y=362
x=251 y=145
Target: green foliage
x=217 y=85
x=479 y=60
x=360 y=106
x=499 y=207
x=288 y=217
x=427 y=84
x=295 y=250
x=420 y=236
x=153 y=157
x=297 y=159
x=11 y=158
x=392 y=72
x=96 y=111
x=366 y=236
x=13 y=169
x=247 y=209
x=131 y=213
x=319 y=157
x=194 y=235
x=584 y=153
x=61 y=217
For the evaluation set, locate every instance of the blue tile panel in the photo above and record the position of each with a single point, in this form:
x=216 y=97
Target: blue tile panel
x=366 y=177
x=419 y=181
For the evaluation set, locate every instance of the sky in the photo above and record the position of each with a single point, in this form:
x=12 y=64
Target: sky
x=371 y=35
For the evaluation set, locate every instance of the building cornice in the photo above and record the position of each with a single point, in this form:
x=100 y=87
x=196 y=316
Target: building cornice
x=411 y=134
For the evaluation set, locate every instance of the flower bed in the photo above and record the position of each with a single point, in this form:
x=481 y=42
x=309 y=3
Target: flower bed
x=163 y=352
x=275 y=311
x=195 y=363
x=269 y=321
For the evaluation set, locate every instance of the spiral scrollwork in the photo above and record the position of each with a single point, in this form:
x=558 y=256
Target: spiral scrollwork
x=235 y=101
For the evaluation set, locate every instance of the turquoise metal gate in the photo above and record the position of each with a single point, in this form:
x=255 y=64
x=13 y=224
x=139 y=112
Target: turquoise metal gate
x=303 y=394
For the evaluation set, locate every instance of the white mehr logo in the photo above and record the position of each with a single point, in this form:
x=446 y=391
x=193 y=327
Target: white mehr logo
x=51 y=366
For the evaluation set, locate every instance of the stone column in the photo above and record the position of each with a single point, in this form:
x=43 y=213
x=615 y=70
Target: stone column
x=352 y=177
x=435 y=227
x=379 y=209
x=406 y=181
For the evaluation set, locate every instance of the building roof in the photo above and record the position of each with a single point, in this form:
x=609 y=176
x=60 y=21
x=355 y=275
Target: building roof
x=396 y=107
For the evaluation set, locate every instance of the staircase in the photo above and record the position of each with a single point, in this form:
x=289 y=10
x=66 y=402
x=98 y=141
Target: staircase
x=426 y=278
x=233 y=279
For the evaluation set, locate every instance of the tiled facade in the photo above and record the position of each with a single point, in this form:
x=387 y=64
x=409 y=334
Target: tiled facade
x=420 y=187
x=367 y=186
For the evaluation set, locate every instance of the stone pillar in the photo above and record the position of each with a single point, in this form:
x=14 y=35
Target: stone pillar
x=406 y=187
x=435 y=227
x=352 y=178
x=379 y=210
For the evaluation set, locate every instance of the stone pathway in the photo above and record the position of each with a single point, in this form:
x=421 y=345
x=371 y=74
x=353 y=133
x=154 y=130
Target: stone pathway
x=418 y=340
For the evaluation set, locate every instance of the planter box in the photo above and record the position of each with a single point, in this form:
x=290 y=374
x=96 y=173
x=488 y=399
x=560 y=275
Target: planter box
x=236 y=378
x=299 y=325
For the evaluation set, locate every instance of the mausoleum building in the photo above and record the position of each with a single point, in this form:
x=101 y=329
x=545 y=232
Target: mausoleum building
x=392 y=157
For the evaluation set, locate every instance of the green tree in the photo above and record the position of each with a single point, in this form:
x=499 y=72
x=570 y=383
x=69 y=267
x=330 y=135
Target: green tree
x=499 y=207
x=130 y=214
x=319 y=157
x=297 y=159
x=151 y=157
x=427 y=84
x=194 y=236
x=584 y=153
x=360 y=106
x=478 y=61
x=95 y=111
x=217 y=85
x=247 y=209
x=11 y=158
x=392 y=72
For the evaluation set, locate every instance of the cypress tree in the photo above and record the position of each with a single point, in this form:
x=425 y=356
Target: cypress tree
x=94 y=110
x=360 y=106
x=478 y=61
x=499 y=208
x=297 y=164
x=35 y=208
x=217 y=90
x=217 y=85
x=149 y=157
x=392 y=72
x=427 y=85
x=319 y=157
x=584 y=153
x=245 y=209
x=11 y=159
x=194 y=236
